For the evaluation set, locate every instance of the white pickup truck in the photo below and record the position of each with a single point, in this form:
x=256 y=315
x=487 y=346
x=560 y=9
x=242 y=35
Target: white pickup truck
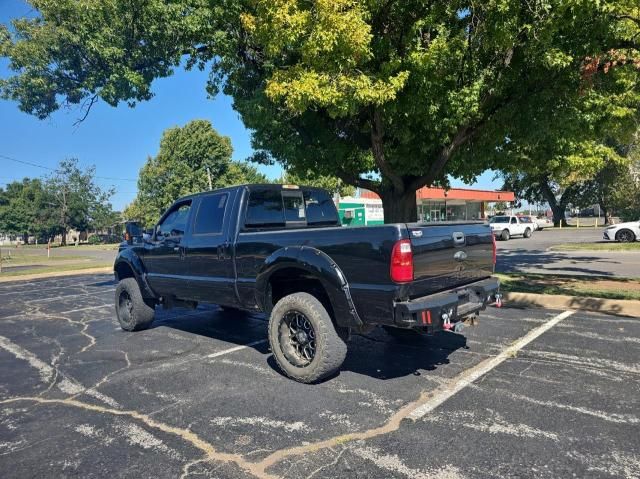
x=504 y=227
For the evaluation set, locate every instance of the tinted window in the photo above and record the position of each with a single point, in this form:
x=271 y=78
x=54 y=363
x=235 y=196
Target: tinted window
x=514 y=221
x=320 y=208
x=175 y=223
x=265 y=208
x=293 y=206
x=210 y=214
x=499 y=219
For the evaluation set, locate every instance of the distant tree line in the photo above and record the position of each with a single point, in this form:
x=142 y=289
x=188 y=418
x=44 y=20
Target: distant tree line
x=45 y=207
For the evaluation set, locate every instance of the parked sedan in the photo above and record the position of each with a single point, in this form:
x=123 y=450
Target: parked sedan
x=543 y=222
x=623 y=232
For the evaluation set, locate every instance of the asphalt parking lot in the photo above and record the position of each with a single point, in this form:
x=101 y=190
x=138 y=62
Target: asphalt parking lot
x=526 y=393
x=534 y=255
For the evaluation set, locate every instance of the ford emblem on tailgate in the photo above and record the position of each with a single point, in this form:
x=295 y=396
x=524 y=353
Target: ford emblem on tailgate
x=460 y=256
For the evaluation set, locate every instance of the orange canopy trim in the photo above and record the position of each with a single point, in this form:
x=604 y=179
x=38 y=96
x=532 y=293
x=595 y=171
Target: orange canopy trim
x=453 y=194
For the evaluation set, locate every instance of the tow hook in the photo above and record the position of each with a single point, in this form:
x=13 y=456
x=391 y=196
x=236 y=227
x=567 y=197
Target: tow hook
x=498 y=297
x=446 y=321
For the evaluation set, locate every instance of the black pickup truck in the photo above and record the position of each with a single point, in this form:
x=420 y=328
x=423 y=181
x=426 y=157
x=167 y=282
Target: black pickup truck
x=281 y=249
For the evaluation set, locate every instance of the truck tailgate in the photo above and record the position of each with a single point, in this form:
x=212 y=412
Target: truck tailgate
x=449 y=255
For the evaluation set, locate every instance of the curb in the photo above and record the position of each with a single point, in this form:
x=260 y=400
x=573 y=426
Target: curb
x=619 y=307
x=56 y=274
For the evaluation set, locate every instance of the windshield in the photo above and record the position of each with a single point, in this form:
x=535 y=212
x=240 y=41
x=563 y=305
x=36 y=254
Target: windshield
x=499 y=219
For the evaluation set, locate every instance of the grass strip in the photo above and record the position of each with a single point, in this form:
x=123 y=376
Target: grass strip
x=587 y=286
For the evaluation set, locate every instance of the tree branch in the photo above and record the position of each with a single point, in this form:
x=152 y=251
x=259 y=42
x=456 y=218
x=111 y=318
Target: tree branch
x=355 y=180
x=377 y=151
x=87 y=106
x=436 y=167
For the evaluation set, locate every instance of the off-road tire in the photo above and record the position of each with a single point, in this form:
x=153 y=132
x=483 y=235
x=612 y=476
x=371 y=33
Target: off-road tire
x=527 y=233
x=625 y=236
x=330 y=348
x=139 y=314
x=505 y=235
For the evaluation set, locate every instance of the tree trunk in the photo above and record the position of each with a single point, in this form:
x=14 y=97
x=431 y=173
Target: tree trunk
x=63 y=242
x=557 y=209
x=399 y=207
x=603 y=212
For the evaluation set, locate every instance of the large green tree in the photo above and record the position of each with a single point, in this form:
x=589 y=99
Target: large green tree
x=385 y=95
x=191 y=159
x=74 y=200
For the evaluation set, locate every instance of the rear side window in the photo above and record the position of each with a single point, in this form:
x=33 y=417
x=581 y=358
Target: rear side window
x=265 y=208
x=210 y=214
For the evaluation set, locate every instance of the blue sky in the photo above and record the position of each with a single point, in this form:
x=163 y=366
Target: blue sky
x=119 y=140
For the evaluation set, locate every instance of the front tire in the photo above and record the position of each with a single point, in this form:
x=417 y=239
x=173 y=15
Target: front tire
x=134 y=314
x=625 y=236
x=303 y=339
x=527 y=233
x=505 y=235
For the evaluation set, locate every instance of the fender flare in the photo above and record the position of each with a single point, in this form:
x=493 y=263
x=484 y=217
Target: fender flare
x=319 y=265
x=132 y=260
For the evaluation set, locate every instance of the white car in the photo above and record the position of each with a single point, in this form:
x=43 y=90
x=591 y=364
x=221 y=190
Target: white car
x=504 y=227
x=543 y=222
x=623 y=232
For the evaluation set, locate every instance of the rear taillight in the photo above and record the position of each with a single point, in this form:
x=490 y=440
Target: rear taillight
x=402 y=262
x=493 y=244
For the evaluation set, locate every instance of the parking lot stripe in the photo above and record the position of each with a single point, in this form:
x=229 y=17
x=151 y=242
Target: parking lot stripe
x=234 y=349
x=469 y=376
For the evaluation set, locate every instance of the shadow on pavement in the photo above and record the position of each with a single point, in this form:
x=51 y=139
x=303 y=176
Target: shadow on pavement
x=510 y=261
x=377 y=355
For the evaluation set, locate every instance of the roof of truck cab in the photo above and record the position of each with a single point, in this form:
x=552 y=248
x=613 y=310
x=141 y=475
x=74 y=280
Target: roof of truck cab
x=272 y=186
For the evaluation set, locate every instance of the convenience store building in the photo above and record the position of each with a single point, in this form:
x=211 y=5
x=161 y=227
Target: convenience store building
x=434 y=204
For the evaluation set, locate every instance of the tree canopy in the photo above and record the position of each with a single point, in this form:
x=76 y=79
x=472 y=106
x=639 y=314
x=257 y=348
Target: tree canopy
x=385 y=95
x=189 y=158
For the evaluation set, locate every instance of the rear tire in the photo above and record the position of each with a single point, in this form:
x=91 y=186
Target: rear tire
x=134 y=313
x=303 y=339
x=625 y=236
x=527 y=233
x=505 y=235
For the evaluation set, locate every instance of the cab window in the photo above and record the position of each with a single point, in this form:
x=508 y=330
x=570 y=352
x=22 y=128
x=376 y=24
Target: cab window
x=320 y=208
x=265 y=208
x=174 y=223
x=210 y=214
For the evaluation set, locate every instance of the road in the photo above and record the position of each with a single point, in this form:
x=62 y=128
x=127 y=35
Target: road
x=533 y=255
x=526 y=393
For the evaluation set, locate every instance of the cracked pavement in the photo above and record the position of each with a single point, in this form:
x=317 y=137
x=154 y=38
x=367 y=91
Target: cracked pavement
x=523 y=394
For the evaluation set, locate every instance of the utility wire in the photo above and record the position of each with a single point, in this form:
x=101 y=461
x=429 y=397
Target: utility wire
x=53 y=169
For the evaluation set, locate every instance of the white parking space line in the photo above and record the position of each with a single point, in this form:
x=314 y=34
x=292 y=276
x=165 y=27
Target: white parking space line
x=463 y=380
x=234 y=349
